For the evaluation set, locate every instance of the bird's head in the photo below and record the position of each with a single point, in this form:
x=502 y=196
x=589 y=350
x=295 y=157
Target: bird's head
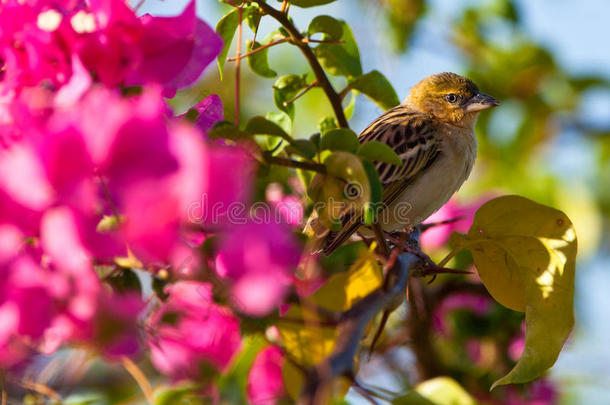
x=450 y=98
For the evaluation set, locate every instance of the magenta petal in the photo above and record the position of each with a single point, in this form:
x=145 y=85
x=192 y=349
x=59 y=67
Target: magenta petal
x=175 y=50
x=265 y=382
x=206 y=48
x=200 y=332
x=258 y=260
x=22 y=177
x=210 y=112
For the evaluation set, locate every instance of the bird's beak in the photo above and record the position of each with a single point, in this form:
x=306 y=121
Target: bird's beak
x=480 y=102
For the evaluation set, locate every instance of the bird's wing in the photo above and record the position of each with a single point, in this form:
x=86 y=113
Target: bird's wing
x=412 y=136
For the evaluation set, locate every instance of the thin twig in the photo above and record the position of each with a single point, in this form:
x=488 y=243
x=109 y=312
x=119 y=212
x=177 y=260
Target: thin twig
x=284 y=6
x=237 y=65
x=307 y=40
x=425 y=227
x=140 y=378
x=314 y=167
x=107 y=195
x=41 y=389
x=137 y=7
x=297 y=39
x=260 y=48
x=302 y=92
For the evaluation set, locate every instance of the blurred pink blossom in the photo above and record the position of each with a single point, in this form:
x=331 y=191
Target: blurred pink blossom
x=438 y=236
x=265 y=382
x=189 y=331
x=115 y=329
x=286 y=208
x=258 y=259
x=478 y=304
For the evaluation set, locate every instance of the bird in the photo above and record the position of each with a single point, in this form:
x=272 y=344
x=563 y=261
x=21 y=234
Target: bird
x=432 y=132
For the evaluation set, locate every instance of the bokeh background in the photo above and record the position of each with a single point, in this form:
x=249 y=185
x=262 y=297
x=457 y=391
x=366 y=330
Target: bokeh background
x=547 y=61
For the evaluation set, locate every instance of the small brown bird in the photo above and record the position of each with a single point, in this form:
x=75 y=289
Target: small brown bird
x=432 y=132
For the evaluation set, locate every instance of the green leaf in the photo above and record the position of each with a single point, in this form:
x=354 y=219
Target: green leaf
x=525 y=255
x=226 y=28
x=164 y=395
x=341 y=59
x=259 y=125
x=437 y=391
x=349 y=110
x=258 y=61
x=371 y=208
x=376 y=87
x=303 y=147
x=340 y=139
x=310 y=3
x=326 y=124
x=283 y=121
x=226 y=130
x=376 y=151
x=327 y=25
x=237 y=376
x=285 y=88
x=252 y=15
x=344 y=187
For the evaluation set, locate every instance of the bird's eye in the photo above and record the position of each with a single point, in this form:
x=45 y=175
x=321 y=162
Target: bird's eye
x=452 y=98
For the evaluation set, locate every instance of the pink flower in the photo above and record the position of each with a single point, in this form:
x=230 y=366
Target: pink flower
x=209 y=111
x=479 y=304
x=115 y=329
x=265 y=383
x=189 y=331
x=175 y=50
x=258 y=260
x=438 y=236
x=287 y=208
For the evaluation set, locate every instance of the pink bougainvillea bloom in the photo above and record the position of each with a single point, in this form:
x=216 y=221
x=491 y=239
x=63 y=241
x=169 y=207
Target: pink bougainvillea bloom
x=115 y=330
x=438 y=236
x=209 y=111
x=258 y=260
x=175 y=50
x=265 y=383
x=225 y=187
x=29 y=50
x=12 y=350
x=478 y=304
x=286 y=208
x=189 y=332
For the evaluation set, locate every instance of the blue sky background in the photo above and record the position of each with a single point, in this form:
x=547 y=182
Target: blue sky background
x=578 y=34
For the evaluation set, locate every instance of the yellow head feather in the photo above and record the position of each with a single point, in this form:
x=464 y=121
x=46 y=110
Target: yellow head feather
x=443 y=95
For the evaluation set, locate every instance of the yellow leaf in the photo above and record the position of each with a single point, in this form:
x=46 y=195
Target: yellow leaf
x=306 y=338
x=525 y=254
x=437 y=391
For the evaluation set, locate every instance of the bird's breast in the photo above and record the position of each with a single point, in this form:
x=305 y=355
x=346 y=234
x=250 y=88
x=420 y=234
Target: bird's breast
x=435 y=186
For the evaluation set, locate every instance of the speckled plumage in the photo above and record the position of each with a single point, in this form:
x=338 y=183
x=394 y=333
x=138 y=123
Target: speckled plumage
x=432 y=132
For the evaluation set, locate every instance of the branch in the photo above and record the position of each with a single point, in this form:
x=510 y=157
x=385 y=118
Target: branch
x=237 y=64
x=297 y=39
x=314 y=167
x=260 y=48
x=352 y=325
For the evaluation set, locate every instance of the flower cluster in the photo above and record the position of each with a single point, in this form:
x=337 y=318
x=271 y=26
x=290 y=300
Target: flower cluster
x=97 y=175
